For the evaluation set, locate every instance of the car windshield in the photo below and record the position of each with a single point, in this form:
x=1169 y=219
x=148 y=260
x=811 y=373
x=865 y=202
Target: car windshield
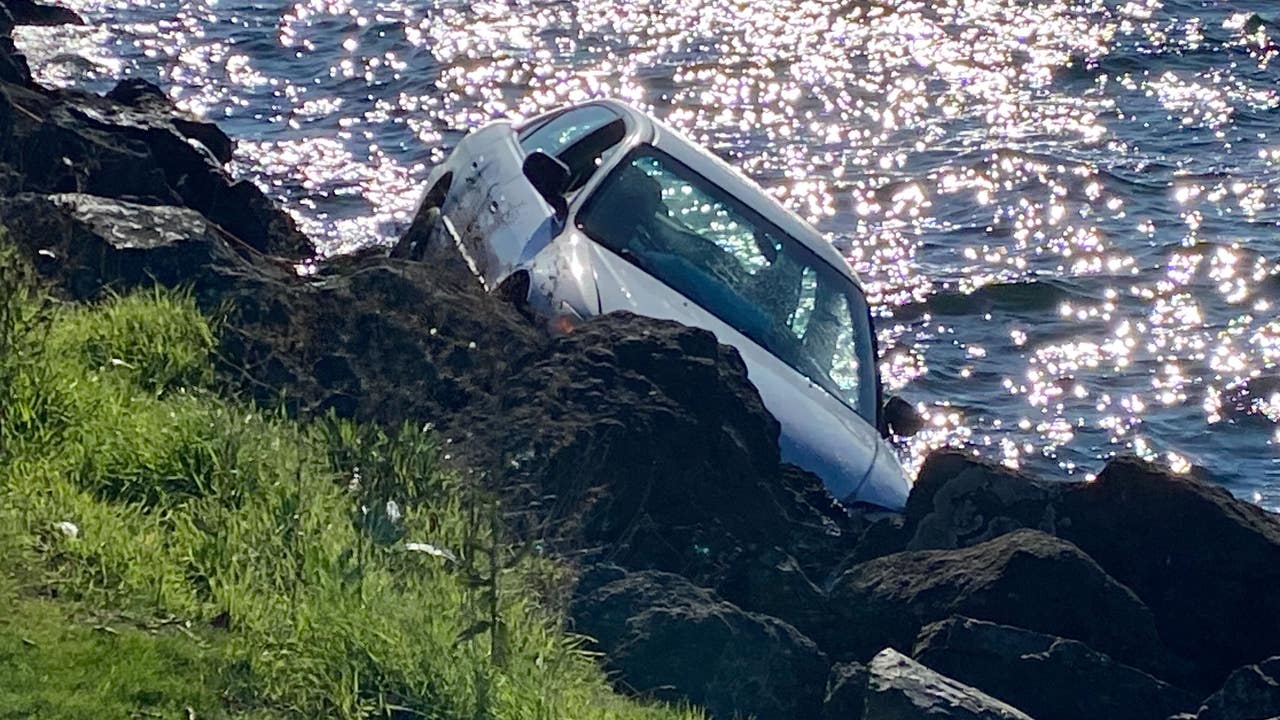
x=577 y=137
x=710 y=247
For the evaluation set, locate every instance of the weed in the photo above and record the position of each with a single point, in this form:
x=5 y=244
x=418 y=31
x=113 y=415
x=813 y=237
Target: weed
x=246 y=563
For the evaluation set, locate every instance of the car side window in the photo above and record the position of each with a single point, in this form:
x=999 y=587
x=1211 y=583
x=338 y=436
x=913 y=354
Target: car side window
x=826 y=328
x=578 y=138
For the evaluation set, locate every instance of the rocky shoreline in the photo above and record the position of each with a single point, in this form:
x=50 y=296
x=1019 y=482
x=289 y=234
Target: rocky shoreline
x=709 y=571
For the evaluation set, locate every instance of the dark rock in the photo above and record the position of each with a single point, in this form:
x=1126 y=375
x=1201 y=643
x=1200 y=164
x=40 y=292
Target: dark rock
x=846 y=691
x=1250 y=693
x=898 y=688
x=879 y=534
x=26 y=12
x=151 y=100
x=1049 y=677
x=772 y=581
x=91 y=244
x=1205 y=563
x=638 y=433
x=1026 y=578
x=901 y=417
x=13 y=65
x=377 y=340
x=65 y=141
x=671 y=640
x=959 y=501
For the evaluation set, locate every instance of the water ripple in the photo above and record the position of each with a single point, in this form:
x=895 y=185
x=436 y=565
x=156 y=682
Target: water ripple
x=1065 y=211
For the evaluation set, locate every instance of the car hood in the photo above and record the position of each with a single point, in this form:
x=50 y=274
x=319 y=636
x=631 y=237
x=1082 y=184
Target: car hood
x=818 y=432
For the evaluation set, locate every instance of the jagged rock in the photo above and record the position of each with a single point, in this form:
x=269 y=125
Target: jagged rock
x=148 y=102
x=1050 y=677
x=669 y=639
x=13 y=65
x=1026 y=578
x=846 y=692
x=1250 y=693
x=959 y=501
x=66 y=141
x=378 y=340
x=639 y=433
x=772 y=581
x=1205 y=563
x=898 y=688
x=27 y=12
x=91 y=244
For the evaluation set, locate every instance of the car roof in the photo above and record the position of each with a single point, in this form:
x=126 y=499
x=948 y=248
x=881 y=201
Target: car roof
x=648 y=129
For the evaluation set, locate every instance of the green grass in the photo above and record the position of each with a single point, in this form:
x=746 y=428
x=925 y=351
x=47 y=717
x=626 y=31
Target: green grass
x=167 y=547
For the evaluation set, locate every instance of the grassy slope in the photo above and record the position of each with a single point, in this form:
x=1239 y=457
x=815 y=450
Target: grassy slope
x=235 y=563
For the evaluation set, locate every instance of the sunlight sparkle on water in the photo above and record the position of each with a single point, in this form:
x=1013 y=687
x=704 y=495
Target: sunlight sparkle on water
x=1064 y=213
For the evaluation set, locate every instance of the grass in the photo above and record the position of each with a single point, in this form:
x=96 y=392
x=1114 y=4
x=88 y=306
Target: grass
x=173 y=552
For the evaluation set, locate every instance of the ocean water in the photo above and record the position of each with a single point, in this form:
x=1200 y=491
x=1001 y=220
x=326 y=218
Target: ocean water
x=1067 y=213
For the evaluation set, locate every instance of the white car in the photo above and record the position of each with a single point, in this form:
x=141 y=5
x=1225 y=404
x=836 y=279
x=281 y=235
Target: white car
x=599 y=207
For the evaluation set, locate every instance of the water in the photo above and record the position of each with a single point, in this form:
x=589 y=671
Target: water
x=1066 y=212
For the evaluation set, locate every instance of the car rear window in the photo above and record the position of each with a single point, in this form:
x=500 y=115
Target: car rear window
x=712 y=248
x=578 y=137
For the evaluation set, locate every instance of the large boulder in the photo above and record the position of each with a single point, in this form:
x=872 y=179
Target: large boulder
x=27 y=12
x=899 y=688
x=89 y=245
x=645 y=437
x=13 y=65
x=1025 y=578
x=1250 y=693
x=142 y=151
x=772 y=581
x=1049 y=677
x=846 y=692
x=960 y=501
x=144 y=104
x=668 y=639
x=377 y=340
x=1205 y=563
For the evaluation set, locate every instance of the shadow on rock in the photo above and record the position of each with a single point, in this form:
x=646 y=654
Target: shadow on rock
x=1052 y=678
x=1206 y=564
x=671 y=640
x=1026 y=578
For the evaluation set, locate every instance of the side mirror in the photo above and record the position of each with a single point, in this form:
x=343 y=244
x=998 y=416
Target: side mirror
x=549 y=177
x=901 y=417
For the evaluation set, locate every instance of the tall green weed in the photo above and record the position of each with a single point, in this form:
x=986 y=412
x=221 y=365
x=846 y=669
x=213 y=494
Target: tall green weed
x=317 y=568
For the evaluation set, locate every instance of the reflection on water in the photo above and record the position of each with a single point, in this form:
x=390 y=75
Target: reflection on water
x=1064 y=210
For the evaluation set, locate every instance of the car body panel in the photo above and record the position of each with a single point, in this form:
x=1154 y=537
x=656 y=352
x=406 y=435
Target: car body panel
x=499 y=218
x=502 y=225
